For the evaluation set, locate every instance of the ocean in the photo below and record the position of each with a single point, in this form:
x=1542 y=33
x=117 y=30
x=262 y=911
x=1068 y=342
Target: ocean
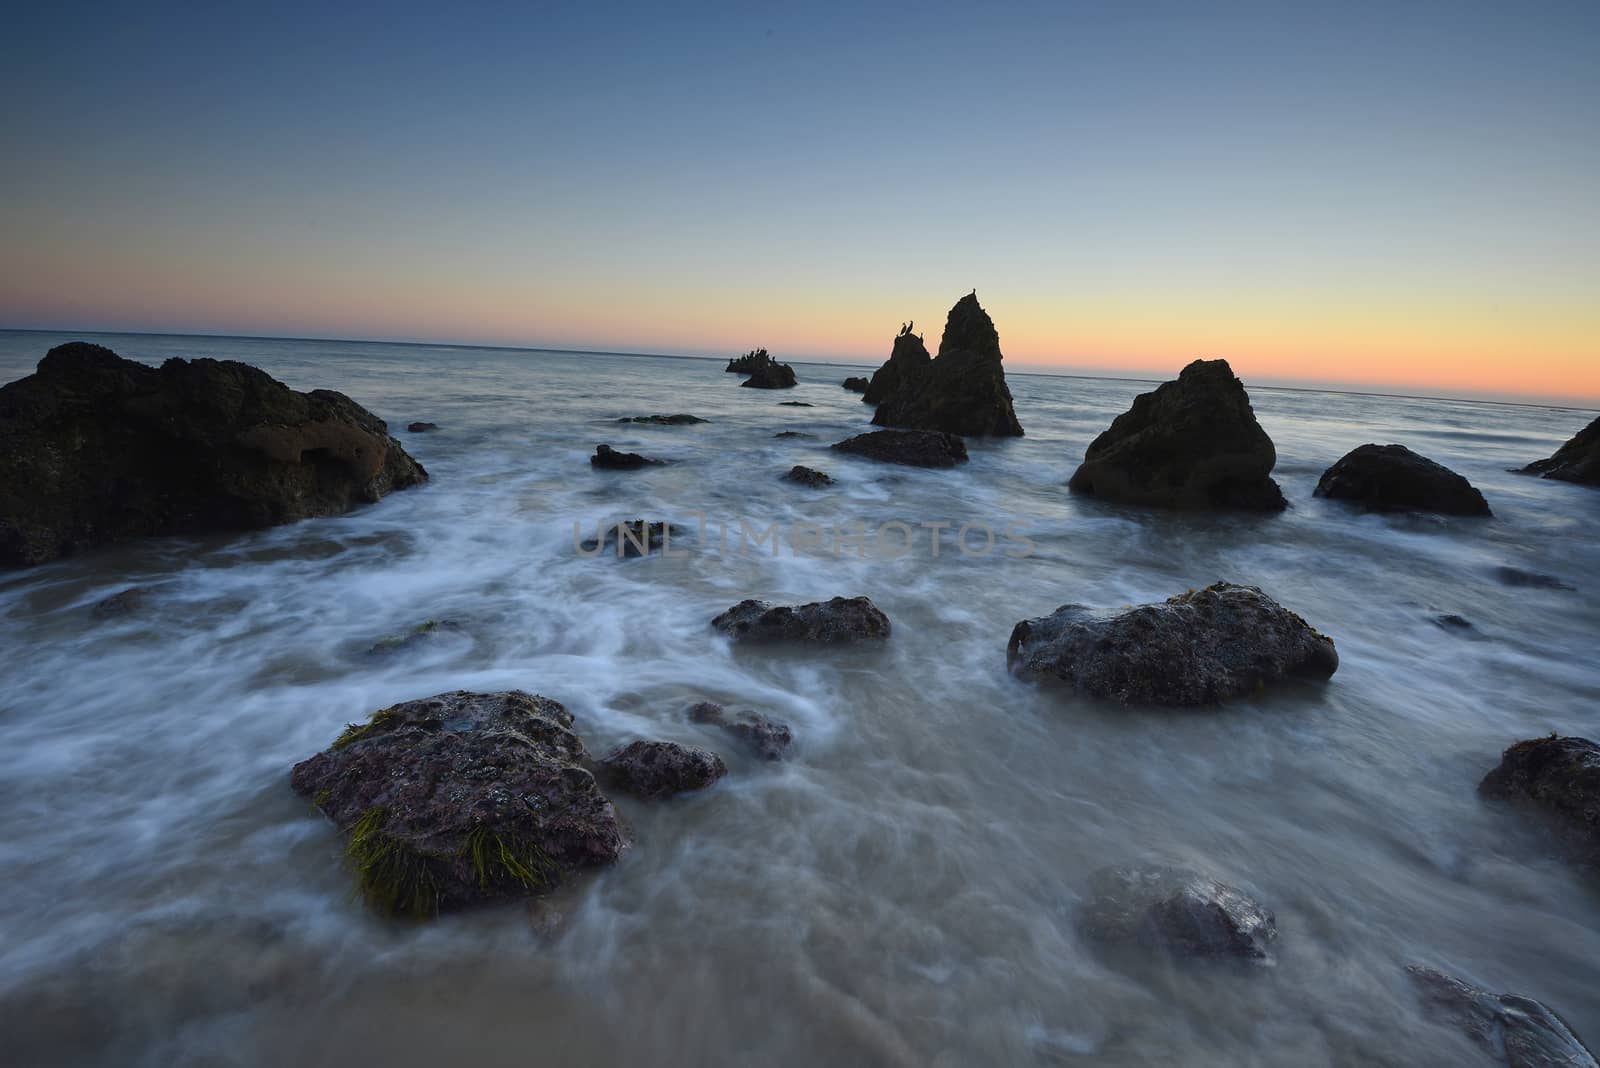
x=902 y=891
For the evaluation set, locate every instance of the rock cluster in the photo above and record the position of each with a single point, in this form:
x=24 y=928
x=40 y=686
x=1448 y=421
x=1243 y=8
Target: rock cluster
x=842 y=619
x=96 y=449
x=1392 y=478
x=1190 y=443
x=1576 y=461
x=961 y=391
x=914 y=448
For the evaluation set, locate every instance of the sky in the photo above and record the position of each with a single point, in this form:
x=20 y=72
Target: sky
x=1403 y=196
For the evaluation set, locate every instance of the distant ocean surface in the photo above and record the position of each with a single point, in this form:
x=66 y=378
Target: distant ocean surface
x=903 y=890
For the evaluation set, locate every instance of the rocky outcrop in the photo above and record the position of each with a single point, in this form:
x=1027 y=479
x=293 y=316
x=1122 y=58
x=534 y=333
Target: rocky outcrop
x=765 y=738
x=1191 y=443
x=1561 y=777
x=771 y=375
x=808 y=476
x=1516 y=1031
x=610 y=459
x=1576 y=461
x=743 y=365
x=908 y=361
x=421 y=428
x=962 y=390
x=1177 y=912
x=680 y=419
x=461 y=799
x=658 y=770
x=843 y=619
x=915 y=448
x=857 y=385
x=97 y=449
x=1198 y=648
x=635 y=537
x=1392 y=478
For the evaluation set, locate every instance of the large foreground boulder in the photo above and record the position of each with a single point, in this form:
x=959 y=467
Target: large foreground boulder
x=1559 y=775
x=96 y=449
x=1392 y=478
x=461 y=799
x=1198 y=648
x=907 y=362
x=962 y=390
x=1517 y=1031
x=1191 y=443
x=655 y=771
x=842 y=619
x=1178 y=912
x=1576 y=461
x=914 y=448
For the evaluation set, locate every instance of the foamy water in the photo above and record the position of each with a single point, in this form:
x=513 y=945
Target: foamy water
x=903 y=890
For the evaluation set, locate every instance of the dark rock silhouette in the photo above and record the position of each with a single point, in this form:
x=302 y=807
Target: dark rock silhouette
x=916 y=448
x=743 y=365
x=461 y=799
x=658 y=770
x=907 y=362
x=610 y=459
x=1516 y=1031
x=791 y=434
x=771 y=375
x=97 y=449
x=421 y=428
x=1178 y=912
x=635 y=537
x=1561 y=776
x=963 y=389
x=1576 y=461
x=126 y=602
x=765 y=738
x=1191 y=443
x=680 y=419
x=1392 y=478
x=857 y=385
x=1515 y=576
x=842 y=619
x=1198 y=648
x=808 y=476
x=795 y=404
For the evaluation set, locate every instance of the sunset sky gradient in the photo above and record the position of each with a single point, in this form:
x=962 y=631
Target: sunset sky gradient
x=1401 y=196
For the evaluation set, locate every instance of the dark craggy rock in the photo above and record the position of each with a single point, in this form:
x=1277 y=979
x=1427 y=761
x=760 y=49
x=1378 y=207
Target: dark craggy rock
x=678 y=419
x=461 y=799
x=1561 y=776
x=856 y=385
x=743 y=365
x=1175 y=911
x=610 y=459
x=1198 y=648
x=764 y=737
x=963 y=389
x=842 y=619
x=907 y=363
x=635 y=537
x=421 y=428
x=808 y=476
x=658 y=770
x=1576 y=461
x=1517 y=1031
x=771 y=375
x=915 y=448
x=96 y=449
x=1190 y=443
x=1392 y=478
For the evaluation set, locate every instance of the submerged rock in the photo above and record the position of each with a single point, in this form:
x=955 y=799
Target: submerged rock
x=657 y=770
x=634 y=537
x=610 y=459
x=421 y=428
x=1198 y=648
x=963 y=389
x=1559 y=775
x=915 y=448
x=1453 y=622
x=743 y=365
x=1175 y=911
x=96 y=449
x=856 y=385
x=766 y=738
x=123 y=603
x=1576 y=461
x=1515 y=576
x=907 y=362
x=790 y=434
x=1392 y=478
x=461 y=799
x=842 y=619
x=1191 y=443
x=795 y=404
x=416 y=637
x=1517 y=1031
x=680 y=419
x=808 y=476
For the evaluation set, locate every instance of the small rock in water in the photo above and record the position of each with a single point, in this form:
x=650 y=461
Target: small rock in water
x=1560 y=776
x=1453 y=622
x=1392 y=478
x=635 y=537
x=1576 y=461
x=808 y=476
x=1516 y=1031
x=842 y=619
x=421 y=427
x=772 y=375
x=124 y=603
x=680 y=419
x=915 y=448
x=610 y=459
x=856 y=385
x=1198 y=648
x=790 y=434
x=764 y=737
x=1515 y=576
x=657 y=770
x=1180 y=912
x=415 y=637
x=795 y=404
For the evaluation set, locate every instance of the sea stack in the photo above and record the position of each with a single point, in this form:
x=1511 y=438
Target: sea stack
x=960 y=391
x=906 y=363
x=96 y=449
x=1190 y=443
x=1576 y=461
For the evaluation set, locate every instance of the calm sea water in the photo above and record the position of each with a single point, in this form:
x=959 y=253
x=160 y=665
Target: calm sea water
x=903 y=891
